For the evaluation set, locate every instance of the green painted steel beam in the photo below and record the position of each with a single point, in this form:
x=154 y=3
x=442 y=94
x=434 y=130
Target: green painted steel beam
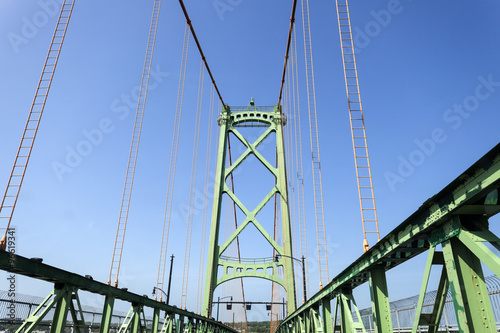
x=468 y=289
x=40 y=312
x=135 y=326
x=474 y=241
x=423 y=288
x=251 y=149
x=107 y=313
x=431 y=320
x=241 y=269
x=434 y=317
x=380 y=301
x=77 y=313
x=60 y=311
x=213 y=247
x=156 y=320
x=467 y=194
x=327 y=316
x=250 y=218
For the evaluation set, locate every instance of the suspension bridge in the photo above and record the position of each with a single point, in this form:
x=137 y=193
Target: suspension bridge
x=254 y=191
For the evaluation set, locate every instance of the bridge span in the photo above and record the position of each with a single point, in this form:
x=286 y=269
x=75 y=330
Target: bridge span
x=451 y=226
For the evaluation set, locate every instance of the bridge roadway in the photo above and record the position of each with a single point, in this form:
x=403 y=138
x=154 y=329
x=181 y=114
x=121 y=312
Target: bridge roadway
x=456 y=218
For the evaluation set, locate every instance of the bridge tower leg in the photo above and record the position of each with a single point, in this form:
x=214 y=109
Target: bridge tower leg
x=229 y=121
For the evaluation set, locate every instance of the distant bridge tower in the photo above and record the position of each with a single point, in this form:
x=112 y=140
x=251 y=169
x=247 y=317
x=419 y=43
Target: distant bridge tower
x=229 y=120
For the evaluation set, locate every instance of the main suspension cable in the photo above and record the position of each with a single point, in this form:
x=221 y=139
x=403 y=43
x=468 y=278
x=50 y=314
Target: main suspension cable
x=290 y=29
x=23 y=155
x=134 y=149
x=188 y=21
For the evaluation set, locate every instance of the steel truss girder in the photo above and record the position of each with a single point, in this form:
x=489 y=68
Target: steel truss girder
x=228 y=122
x=64 y=299
x=455 y=217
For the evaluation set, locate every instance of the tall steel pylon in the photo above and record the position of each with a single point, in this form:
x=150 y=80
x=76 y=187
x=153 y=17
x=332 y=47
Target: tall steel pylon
x=273 y=120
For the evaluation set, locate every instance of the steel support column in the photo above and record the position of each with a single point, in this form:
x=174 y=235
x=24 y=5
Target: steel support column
x=136 y=319
x=327 y=316
x=61 y=311
x=381 y=310
x=179 y=327
x=213 y=247
x=156 y=320
x=470 y=296
x=107 y=312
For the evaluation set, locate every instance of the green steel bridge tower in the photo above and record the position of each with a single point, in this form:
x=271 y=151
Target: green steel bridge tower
x=230 y=119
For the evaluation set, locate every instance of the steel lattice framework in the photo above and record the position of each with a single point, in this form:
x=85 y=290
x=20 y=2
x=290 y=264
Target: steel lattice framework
x=273 y=119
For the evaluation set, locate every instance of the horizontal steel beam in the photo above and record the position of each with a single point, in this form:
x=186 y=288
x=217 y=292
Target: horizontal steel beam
x=463 y=196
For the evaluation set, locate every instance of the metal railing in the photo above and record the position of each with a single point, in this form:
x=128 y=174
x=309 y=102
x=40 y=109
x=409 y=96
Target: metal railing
x=403 y=310
x=248 y=260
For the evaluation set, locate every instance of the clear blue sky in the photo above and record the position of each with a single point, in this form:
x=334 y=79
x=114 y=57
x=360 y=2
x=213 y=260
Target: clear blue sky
x=422 y=70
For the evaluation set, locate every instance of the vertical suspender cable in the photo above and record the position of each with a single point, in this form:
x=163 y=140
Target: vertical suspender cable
x=358 y=133
x=194 y=169
x=134 y=149
x=31 y=129
x=316 y=161
x=173 y=163
x=205 y=203
x=298 y=158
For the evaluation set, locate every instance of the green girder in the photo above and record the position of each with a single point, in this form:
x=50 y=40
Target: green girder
x=455 y=218
x=64 y=298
